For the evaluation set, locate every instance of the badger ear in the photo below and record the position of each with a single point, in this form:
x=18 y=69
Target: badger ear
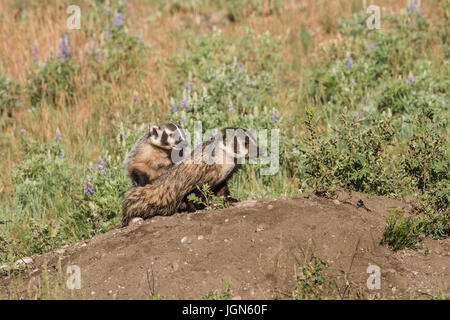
x=154 y=131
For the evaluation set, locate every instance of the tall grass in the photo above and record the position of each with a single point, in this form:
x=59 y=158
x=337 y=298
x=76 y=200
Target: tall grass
x=352 y=104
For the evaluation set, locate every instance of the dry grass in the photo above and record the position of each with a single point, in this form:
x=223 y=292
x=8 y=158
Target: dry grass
x=84 y=125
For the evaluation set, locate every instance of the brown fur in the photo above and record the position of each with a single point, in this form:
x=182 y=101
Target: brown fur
x=151 y=156
x=167 y=193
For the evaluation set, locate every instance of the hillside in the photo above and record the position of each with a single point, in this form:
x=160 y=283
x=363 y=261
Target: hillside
x=257 y=247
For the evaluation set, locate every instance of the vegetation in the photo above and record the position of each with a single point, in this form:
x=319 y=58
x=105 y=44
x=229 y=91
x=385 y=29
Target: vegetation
x=359 y=109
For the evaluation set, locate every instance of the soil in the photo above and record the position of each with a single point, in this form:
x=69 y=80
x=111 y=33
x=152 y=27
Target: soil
x=257 y=246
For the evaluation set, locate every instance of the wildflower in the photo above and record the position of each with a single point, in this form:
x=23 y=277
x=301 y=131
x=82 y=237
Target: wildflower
x=371 y=46
x=349 y=62
x=118 y=20
x=185 y=104
x=136 y=98
x=241 y=68
x=22 y=131
x=62 y=156
x=420 y=12
x=174 y=107
x=275 y=115
x=88 y=188
x=189 y=85
x=57 y=136
x=410 y=79
x=99 y=57
x=122 y=133
x=64 y=47
x=352 y=81
x=230 y=106
x=182 y=120
x=35 y=58
x=101 y=165
x=412 y=6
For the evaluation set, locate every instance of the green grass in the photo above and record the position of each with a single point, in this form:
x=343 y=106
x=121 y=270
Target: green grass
x=369 y=113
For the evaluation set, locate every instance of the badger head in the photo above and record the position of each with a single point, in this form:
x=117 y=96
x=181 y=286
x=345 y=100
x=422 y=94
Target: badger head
x=166 y=136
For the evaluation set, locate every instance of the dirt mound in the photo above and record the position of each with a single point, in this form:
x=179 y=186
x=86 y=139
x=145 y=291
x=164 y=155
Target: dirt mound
x=259 y=247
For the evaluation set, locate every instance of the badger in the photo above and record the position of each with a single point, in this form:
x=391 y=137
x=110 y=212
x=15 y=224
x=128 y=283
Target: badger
x=213 y=163
x=151 y=155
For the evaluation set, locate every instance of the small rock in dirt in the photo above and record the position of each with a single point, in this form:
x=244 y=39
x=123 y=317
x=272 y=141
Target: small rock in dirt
x=186 y=239
x=23 y=262
x=260 y=228
x=269 y=207
x=226 y=220
x=200 y=238
x=110 y=292
x=175 y=266
x=136 y=221
x=60 y=251
x=336 y=201
x=236 y=298
x=93 y=293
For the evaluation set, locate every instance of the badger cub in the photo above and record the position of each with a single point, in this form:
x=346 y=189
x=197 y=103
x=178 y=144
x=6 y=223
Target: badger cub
x=214 y=162
x=151 y=155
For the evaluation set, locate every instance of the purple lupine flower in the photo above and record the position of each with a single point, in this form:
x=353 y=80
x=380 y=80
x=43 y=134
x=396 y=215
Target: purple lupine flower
x=62 y=156
x=420 y=12
x=241 y=68
x=122 y=133
x=410 y=79
x=189 y=85
x=275 y=115
x=136 y=98
x=349 y=62
x=182 y=120
x=352 y=81
x=35 y=47
x=99 y=57
x=185 y=104
x=174 y=107
x=412 y=6
x=88 y=188
x=57 y=136
x=101 y=165
x=118 y=20
x=371 y=46
x=64 y=47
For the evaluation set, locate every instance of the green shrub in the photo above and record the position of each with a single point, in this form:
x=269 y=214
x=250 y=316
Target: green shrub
x=351 y=156
x=54 y=80
x=402 y=233
x=311 y=284
x=9 y=95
